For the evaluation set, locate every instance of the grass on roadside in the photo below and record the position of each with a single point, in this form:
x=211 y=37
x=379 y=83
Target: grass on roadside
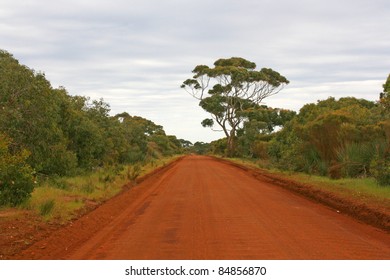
x=365 y=190
x=61 y=198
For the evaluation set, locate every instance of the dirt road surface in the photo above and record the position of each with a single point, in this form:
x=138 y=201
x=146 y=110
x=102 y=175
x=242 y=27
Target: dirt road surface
x=201 y=208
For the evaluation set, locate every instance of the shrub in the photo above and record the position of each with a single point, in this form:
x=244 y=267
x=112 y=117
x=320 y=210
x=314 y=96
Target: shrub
x=16 y=176
x=260 y=149
x=335 y=171
x=380 y=169
x=355 y=158
x=133 y=172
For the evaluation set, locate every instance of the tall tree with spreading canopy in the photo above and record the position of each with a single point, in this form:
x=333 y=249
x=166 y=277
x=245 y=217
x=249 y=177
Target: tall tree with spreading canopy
x=229 y=89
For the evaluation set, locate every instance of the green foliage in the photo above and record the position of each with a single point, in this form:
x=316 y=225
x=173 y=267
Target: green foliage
x=355 y=159
x=219 y=147
x=200 y=148
x=348 y=137
x=65 y=134
x=144 y=139
x=29 y=113
x=133 y=172
x=385 y=96
x=16 y=176
x=339 y=138
x=258 y=126
x=381 y=171
x=259 y=149
x=380 y=164
x=207 y=123
x=233 y=87
x=55 y=135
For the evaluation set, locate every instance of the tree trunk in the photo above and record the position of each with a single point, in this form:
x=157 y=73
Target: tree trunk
x=231 y=145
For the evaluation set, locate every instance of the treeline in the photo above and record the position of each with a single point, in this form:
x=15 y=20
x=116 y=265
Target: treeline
x=348 y=137
x=44 y=131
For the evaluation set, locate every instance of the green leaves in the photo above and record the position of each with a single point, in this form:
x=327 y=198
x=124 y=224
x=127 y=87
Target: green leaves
x=386 y=85
x=55 y=134
x=215 y=104
x=16 y=176
x=30 y=113
x=65 y=134
x=235 y=62
x=233 y=86
x=339 y=138
x=208 y=123
x=385 y=96
x=144 y=139
x=191 y=83
x=200 y=70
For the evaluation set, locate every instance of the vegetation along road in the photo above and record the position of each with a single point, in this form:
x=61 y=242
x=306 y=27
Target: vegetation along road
x=202 y=208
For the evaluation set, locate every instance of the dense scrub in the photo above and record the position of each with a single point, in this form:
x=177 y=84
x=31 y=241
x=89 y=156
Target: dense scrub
x=341 y=138
x=46 y=132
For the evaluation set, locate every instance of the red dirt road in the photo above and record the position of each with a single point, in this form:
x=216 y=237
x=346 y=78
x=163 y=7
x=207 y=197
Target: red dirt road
x=201 y=208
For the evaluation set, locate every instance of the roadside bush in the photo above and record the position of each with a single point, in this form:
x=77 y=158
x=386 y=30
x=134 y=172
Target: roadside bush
x=260 y=149
x=133 y=172
x=355 y=159
x=61 y=162
x=16 y=176
x=380 y=170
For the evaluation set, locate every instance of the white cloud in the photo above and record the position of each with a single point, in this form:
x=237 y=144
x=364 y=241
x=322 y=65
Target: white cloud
x=136 y=53
x=304 y=93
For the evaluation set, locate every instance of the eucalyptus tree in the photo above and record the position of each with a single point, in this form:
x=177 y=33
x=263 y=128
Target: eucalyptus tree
x=229 y=89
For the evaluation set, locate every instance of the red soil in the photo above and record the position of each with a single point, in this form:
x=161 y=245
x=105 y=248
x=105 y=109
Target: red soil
x=202 y=208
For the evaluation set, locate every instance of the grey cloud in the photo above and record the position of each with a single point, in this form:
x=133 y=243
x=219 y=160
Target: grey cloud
x=135 y=54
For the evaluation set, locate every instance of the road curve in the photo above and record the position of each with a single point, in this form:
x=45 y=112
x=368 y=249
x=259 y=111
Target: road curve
x=202 y=208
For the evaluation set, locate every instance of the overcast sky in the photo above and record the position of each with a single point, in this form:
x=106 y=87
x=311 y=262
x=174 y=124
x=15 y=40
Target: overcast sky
x=135 y=53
